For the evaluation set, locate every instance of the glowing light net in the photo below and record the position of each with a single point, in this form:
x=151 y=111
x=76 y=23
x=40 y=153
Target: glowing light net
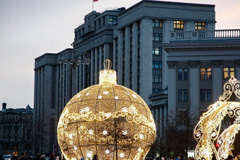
x=208 y=133
x=107 y=120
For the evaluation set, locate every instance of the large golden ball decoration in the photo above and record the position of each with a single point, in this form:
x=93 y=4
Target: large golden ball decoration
x=107 y=120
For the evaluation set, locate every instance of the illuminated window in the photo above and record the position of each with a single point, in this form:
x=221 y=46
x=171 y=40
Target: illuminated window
x=157 y=65
x=228 y=72
x=113 y=20
x=157 y=37
x=182 y=74
x=157 y=23
x=206 y=95
x=206 y=73
x=157 y=51
x=182 y=95
x=178 y=25
x=199 y=25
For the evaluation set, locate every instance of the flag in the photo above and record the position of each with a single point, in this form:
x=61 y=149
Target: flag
x=95 y=0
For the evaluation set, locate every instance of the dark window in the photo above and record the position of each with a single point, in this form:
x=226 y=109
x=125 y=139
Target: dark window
x=157 y=65
x=157 y=37
x=182 y=74
x=206 y=95
x=182 y=95
x=199 y=25
x=206 y=73
x=157 y=23
x=228 y=72
x=157 y=78
x=156 y=90
x=178 y=25
x=113 y=20
x=157 y=51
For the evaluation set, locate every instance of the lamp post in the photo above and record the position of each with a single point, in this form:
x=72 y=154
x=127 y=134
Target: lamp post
x=74 y=58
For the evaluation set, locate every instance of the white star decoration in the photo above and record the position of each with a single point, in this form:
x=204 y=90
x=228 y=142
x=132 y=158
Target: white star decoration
x=105 y=92
x=90 y=132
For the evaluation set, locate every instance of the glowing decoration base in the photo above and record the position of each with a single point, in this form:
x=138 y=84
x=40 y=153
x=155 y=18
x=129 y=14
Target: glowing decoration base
x=107 y=120
x=207 y=132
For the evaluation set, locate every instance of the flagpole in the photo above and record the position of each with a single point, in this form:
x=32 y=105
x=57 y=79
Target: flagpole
x=92 y=4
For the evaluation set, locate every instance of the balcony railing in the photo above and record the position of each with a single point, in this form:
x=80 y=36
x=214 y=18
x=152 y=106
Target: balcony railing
x=205 y=34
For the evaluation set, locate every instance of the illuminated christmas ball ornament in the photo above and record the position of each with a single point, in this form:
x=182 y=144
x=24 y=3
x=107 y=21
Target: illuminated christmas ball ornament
x=107 y=120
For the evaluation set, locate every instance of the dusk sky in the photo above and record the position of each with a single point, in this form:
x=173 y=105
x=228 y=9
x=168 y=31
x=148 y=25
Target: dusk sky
x=30 y=28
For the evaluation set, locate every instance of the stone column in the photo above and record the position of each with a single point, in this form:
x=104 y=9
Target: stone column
x=134 y=56
x=217 y=80
x=172 y=98
x=145 y=59
x=100 y=58
x=120 y=57
x=96 y=62
x=194 y=86
x=92 y=65
x=114 y=55
x=106 y=52
x=127 y=56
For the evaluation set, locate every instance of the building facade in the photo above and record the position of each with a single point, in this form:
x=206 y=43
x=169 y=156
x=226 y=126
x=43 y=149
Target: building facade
x=199 y=63
x=161 y=50
x=16 y=130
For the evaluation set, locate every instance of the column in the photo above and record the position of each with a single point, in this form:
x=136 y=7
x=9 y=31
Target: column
x=120 y=57
x=96 y=70
x=127 y=56
x=145 y=59
x=106 y=52
x=114 y=55
x=92 y=65
x=217 y=80
x=134 y=56
x=172 y=93
x=100 y=58
x=194 y=86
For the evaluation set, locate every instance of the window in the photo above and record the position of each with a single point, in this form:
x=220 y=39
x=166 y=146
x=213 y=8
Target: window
x=156 y=90
x=206 y=73
x=182 y=95
x=157 y=79
x=157 y=23
x=228 y=72
x=178 y=25
x=157 y=65
x=199 y=25
x=182 y=74
x=113 y=20
x=157 y=37
x=205 y=95
x=157 y=51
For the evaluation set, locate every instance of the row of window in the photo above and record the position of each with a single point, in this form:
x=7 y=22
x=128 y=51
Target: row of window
x=205 y=95
x=180 y=25
x=205 y=73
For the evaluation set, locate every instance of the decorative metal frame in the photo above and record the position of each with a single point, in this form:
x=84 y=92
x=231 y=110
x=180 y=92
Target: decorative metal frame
x=207 y=131
x=107 y=120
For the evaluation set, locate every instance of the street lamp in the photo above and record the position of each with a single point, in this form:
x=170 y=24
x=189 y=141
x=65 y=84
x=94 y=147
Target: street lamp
x=74 y=57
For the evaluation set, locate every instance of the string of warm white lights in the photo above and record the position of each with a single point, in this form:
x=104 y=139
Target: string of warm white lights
x=107 y=120
x=207 y=131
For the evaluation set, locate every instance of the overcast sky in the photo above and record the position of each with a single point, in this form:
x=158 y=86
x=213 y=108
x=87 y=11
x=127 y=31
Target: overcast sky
x=30 y=28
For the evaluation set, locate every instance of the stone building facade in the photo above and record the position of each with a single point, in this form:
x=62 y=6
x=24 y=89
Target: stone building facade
x=16 y=130
x=134 y=39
